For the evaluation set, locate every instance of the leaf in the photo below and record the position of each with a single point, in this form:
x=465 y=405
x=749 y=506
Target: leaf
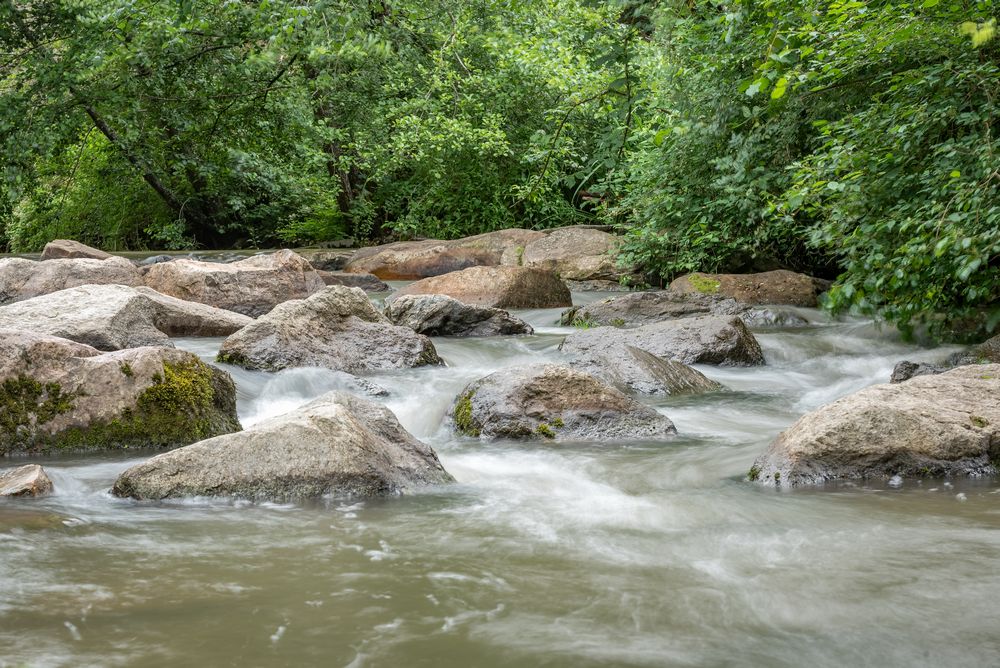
x=779 y=88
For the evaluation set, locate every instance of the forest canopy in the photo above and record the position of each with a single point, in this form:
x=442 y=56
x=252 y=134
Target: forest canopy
x=848 y=139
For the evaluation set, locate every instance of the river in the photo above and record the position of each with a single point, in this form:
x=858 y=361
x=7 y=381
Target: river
x=639 y=554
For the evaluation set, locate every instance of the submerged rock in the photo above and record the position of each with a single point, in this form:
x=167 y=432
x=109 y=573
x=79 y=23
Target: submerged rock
x=413 y=260
x=574 y=253
x=23 y=279
x=252 y=286
x=934 y=425
x=718 y=340
x=30 y=480
x=906 y=370
x=338 y=328
x=637 y=371
x=770 y=287
x=114 y=317
x=367 y=282
x=57 y=395
x=65 y=248
x=553 y=402
x=338 y=445
x=496 y=287
x=440 y=315
x=987 y=352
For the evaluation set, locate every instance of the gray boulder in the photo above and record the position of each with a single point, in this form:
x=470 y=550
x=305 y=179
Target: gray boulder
x=58 y=395
x=64 y=248
x=252 y=286
x=23 y=279
x=987 y=352
x=30 y=480
x=114 y=317
x=553 y=402
x=636 y=371
x=574 y=253
x=722 y=340
x=495 y=287
x=338 y=445
x=338 y=328
x=643 y=308
x=440 y=315
x=934 y=425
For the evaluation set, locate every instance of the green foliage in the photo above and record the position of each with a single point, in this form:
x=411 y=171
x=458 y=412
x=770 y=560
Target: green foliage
x=841 y=137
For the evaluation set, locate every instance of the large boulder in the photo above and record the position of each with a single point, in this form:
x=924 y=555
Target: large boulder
x=440 y=315
x=58 y=395
x=643 y=308
x=413 y=260
x=64 y=248
x=113 y=317
x=635 y=371
x=496 y=287
x=252 y=286
x=338 y=328
x=721 y=340
x=30 y=480
x=934 y=425
x=336 y=445
x=770 y=287
x=553 y=402
x=574 y=253
x=23 y=279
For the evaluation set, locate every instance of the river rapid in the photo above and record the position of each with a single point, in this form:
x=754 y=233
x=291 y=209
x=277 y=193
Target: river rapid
x=638 y=554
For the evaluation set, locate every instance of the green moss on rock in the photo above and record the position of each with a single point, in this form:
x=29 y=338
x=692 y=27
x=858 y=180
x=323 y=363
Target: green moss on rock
x=462 y=415
x=190 y=402
x=25 y=405
x=704 y=284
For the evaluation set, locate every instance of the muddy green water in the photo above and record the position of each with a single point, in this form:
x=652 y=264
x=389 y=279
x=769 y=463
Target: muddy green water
x=645 y=554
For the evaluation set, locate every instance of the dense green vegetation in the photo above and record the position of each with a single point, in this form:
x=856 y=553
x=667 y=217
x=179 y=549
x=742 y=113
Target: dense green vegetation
x=849 y=139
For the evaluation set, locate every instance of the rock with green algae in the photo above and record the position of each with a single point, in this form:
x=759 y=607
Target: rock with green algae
x=58 y=395
x=556 y=403
x=338 y=445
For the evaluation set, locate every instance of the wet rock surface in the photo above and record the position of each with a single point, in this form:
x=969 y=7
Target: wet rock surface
x=552 y=402
x=338 y=445
x=338 y=328
x=25 y=481
x=932 y=425
x=440 y=315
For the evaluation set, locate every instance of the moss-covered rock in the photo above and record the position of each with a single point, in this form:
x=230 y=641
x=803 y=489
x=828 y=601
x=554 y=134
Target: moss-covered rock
x=57 y=395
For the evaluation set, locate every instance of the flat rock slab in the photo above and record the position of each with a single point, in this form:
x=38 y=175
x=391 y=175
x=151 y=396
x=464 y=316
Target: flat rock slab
x=337 y=445
x=65 y=248
x=252 y=286
x=413 y=260
x=932 y=425
x=552 y=402
x=721 y=340
x=643 y=308
x=440 y=315
x=770 y=287
x=23 y=279
x=115 y=317
x=338 y=328
x=59 y=395
x=367 y=282
x=30 y=480
x=496 y=287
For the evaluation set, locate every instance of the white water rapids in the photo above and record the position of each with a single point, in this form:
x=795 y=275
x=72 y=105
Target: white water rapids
x=648 y=554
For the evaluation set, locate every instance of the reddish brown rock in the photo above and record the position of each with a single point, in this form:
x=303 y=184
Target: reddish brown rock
x=496 y=287
x=64 y=248
x=770 y=287
x=413 y=260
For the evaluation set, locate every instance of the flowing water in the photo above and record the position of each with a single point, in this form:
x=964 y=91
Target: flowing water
x=640 y=554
